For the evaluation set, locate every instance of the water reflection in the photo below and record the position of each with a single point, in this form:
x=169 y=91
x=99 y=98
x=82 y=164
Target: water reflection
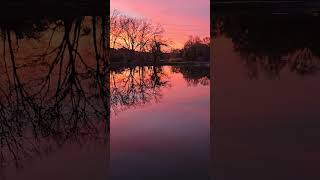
x=137 y=86
x=272 y=43
x=194 y=75
x=265 y=118
x=54 y=89
x=163 y=129
x=134 y=87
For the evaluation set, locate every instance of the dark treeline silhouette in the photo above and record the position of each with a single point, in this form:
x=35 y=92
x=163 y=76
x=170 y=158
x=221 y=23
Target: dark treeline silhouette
x=52 y=93
x=272 y=43
x=137 y=86
x=195 y=49
x=194 y=75
x=141 y=41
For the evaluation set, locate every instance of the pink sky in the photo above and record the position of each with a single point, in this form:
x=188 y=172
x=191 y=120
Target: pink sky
x=180 y=18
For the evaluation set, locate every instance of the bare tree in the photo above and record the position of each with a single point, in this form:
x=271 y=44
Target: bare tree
x=137 y=86
x=136 y=34
x=67 y=102
x=115 y=30
x=157 y=42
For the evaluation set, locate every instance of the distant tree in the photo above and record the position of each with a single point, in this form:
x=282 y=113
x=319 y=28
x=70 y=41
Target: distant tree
x=196 y=48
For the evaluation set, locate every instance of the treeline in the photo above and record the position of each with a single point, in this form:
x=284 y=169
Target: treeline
x=195 y=49
x=138 y=39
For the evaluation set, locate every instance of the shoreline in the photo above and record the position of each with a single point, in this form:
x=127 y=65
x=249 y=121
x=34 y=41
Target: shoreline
x=134 y=64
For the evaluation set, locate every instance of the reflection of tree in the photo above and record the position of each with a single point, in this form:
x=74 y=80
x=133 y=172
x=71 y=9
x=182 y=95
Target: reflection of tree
x=269 y=43
x=69 y=100
x=137 y=86
x=194 y=75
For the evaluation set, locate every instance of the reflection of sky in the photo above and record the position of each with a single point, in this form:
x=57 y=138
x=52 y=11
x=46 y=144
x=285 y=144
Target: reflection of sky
x=180 y=18
x=169 y=138
x=71 y=161
x=267 y=129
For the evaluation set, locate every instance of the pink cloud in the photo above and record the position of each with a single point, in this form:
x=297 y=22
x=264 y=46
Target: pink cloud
x=180 y=18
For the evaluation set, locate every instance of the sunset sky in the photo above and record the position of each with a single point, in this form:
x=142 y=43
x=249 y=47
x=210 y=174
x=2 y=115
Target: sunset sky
x=180 y=18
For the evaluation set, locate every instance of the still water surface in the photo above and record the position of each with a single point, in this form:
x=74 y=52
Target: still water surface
x=159 y=129
x=167 y=134
x=266 y=97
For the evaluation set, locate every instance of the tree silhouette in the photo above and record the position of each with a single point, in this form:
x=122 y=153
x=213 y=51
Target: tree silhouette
x=67 y=102
x=270 y=43
x=136 y=86
x=194 y=75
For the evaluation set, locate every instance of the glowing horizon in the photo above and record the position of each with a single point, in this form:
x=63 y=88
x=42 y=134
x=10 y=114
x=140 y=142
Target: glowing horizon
x=179 y=18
